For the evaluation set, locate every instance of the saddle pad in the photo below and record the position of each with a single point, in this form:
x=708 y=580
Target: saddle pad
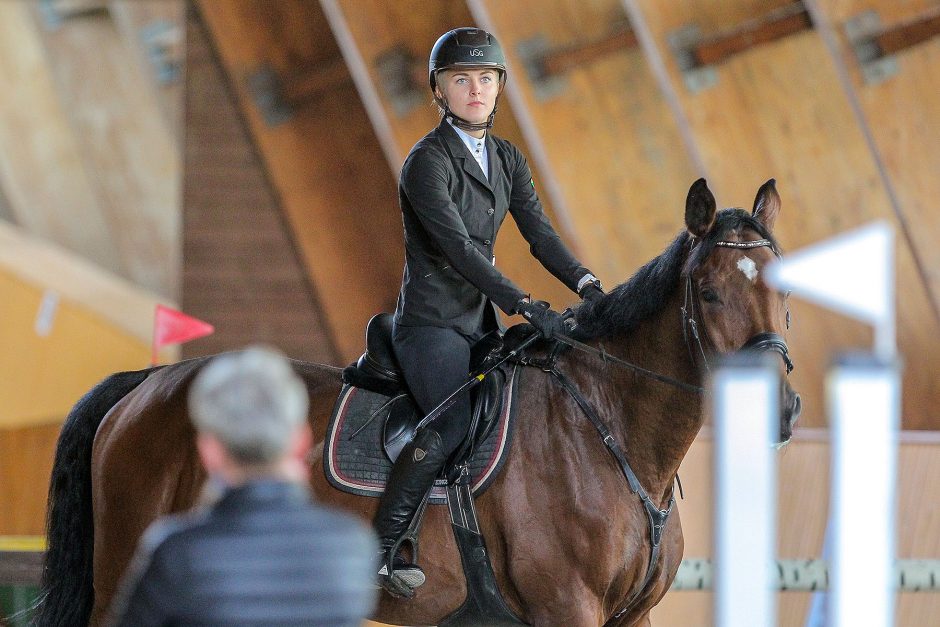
x=354 y=461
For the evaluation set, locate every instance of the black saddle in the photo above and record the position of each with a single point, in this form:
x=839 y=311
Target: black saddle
x=377 y=370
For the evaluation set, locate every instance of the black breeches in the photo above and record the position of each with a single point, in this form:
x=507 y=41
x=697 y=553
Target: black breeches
x=435 y=362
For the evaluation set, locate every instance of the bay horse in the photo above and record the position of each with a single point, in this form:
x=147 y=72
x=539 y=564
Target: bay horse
x=569 y=542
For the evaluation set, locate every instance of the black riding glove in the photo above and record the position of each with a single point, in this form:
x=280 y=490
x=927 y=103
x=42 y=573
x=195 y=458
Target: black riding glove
x=592 y=292
x=546 y=321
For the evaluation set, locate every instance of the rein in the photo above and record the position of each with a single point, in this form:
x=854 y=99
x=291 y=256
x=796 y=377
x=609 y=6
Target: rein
x=607 y=357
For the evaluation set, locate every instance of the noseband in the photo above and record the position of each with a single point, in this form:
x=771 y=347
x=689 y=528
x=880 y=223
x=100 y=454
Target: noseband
x=761 y=342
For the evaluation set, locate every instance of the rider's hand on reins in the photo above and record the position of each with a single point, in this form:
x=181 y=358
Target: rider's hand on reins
x=546 y=321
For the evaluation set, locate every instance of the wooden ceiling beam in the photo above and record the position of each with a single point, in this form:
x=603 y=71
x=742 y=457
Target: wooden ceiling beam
x=772 y=26
x=908 y=34
x=308 y=84
x=56 y=12
x=278 y=95
x=720 y=47
x=563 y=59
x=712 y=50
x=42 y=173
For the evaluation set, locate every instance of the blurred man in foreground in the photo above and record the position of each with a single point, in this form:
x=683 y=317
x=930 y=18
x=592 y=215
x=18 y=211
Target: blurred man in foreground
x=262 y=553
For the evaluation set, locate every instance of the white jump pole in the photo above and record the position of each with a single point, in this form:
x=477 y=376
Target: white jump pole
x=853 y=273
x=746 y=408
x=864 y=405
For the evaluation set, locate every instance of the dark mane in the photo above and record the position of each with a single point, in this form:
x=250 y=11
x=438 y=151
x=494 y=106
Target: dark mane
x=647 y=291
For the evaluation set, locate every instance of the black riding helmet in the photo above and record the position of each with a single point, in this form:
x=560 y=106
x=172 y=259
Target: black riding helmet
x=471 y=48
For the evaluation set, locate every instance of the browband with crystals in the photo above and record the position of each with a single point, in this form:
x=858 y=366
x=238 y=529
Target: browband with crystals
x=755 y=243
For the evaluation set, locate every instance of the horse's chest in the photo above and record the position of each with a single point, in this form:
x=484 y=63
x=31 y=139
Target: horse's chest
x=639 y=553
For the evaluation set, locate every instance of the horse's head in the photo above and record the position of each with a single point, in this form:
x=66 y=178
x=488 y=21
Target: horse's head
x=728 y=306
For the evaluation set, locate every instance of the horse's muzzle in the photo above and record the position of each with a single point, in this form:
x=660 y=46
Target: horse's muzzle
x=791 y=405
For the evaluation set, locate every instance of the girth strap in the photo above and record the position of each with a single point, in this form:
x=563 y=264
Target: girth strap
x=657 y=517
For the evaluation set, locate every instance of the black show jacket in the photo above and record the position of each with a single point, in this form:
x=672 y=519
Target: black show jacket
x=451 y=216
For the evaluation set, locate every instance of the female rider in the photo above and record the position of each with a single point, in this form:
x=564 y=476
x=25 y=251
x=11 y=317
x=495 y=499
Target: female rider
x=455 y=189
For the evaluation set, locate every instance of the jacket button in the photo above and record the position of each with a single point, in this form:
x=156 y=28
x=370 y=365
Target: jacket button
x=487 y=242
x=491 y=211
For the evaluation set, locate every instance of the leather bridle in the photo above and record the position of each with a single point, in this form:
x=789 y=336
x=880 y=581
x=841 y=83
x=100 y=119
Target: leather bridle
x=765 y=341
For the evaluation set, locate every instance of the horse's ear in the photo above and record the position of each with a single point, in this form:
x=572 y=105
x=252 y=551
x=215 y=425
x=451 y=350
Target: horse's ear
x=699 y=209
x=767 y=204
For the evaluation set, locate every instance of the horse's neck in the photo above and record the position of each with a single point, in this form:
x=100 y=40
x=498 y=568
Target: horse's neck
x=654 y=421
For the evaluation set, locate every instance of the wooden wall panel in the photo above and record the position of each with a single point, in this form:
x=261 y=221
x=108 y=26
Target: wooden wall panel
x=608 y=133
x=410 y=28
x=902 y=113
x=155 y=30
x=41 y=168
x=65 y=326
x=241 y=268
x=778 y=111
x=25 y=464
x=132 y=161
x=324 y=161
x=803 y=487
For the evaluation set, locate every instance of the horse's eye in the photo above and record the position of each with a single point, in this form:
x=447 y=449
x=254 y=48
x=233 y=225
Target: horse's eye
x=709 y=295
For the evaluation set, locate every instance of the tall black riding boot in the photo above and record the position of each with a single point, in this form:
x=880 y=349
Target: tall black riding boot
x=412 y=476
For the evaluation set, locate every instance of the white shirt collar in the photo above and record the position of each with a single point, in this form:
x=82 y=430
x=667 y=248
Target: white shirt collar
x=469 y=139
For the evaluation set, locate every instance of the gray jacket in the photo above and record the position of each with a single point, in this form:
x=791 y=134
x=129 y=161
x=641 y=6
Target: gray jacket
x=451 y=216
x=263 y=555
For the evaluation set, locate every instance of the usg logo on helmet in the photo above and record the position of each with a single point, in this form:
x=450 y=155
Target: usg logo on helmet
x=476 y=52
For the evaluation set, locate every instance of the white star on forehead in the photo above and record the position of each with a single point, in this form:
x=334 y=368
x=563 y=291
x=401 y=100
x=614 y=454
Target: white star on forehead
x=748 y=267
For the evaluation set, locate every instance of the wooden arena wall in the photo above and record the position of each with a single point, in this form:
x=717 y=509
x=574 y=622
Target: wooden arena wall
x=802 y=509
x=272 y=211
x=66 y=324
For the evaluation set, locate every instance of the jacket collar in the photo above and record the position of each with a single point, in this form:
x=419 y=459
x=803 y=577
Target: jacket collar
x=262 y=491
x=458 y=150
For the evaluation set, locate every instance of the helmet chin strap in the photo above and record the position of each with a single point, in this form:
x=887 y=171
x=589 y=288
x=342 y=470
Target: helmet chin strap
x=470 y=126
x=466 y=125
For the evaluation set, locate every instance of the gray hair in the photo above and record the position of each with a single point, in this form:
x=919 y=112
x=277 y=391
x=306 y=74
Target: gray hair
x=252 y=401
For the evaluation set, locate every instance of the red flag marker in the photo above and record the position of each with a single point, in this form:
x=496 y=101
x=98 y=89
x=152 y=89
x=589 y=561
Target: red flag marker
x=174 y=327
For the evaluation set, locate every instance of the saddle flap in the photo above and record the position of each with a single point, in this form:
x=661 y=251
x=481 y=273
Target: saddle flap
x=399 y=427
x=356 y=461
x=379 y=358
x=402 y=421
